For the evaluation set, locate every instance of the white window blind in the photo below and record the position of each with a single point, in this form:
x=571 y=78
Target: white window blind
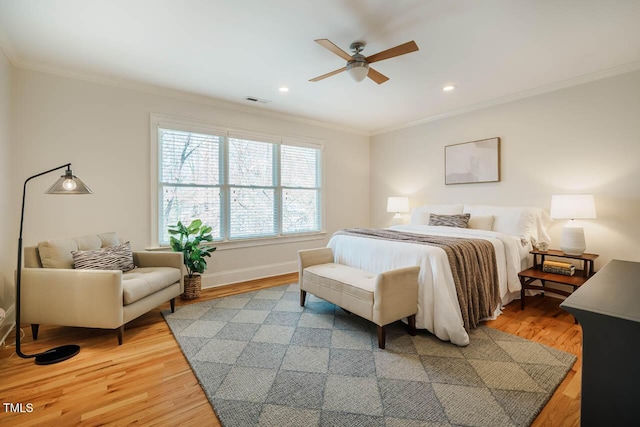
x=300 y=180
x=244 y=186
x=252 y=188
x=189 y=183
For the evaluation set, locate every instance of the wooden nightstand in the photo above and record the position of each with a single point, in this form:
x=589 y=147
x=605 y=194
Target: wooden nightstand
x=530 y=275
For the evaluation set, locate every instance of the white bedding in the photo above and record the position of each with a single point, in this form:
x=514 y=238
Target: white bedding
x=438 y=307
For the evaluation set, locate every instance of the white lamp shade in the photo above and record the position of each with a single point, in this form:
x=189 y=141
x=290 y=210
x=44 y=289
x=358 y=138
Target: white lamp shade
x=398 y=204
x=573 y=206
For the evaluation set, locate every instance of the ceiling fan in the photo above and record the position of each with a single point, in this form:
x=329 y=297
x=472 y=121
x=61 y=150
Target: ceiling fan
x=358 y=65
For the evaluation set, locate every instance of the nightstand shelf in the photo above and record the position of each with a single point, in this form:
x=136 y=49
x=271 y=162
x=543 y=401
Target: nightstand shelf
x=530 y=275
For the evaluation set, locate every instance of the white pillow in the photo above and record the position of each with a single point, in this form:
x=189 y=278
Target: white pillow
x=479 y=222
x=543 y=222
x=420 y=215
x=514 y=220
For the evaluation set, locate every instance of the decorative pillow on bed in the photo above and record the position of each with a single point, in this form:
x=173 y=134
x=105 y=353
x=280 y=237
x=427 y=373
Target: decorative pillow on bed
x=111 y=258
x=420 y=215
x=528 y=223
x=460 y=221
x=481 y=222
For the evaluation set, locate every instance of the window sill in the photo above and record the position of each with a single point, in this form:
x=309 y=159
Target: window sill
x=251 y=243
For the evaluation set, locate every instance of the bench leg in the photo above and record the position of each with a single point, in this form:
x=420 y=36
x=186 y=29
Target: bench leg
x=411 y=321
x=303 y=296
x=381 y=337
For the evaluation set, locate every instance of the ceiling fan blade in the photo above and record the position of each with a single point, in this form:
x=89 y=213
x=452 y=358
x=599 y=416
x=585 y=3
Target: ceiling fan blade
x=376 y=76
x=333 y=48
x=407 y=47
x=324 y=76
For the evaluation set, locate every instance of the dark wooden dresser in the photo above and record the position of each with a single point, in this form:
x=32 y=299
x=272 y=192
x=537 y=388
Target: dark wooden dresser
x=608 y=309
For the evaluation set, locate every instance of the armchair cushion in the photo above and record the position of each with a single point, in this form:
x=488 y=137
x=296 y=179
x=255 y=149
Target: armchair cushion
x=57 y=253
x=144 y=281
x=112 y=258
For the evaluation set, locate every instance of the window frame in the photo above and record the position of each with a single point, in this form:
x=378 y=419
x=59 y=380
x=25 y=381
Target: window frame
x=158 y=121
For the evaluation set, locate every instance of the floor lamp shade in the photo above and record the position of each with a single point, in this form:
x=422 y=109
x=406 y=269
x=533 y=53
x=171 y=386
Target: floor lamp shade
x=69 y=184
x=572 y=207
x=66 y=184
x=398 y=205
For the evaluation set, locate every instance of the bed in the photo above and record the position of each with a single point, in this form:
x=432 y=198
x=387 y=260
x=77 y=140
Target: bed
x=510 y=230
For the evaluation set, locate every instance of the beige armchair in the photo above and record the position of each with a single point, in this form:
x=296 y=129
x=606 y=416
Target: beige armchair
x=56 y=294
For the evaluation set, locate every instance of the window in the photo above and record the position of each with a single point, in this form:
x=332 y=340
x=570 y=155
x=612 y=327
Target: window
x=300 y=181
x=242 y=186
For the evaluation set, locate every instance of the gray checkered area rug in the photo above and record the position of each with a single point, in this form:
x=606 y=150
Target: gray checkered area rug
x=264 y=360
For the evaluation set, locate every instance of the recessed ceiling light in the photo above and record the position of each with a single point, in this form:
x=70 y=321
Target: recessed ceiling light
x=283 y=89
x=448 y=88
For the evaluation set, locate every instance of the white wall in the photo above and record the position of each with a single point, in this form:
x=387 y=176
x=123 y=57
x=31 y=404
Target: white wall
x=584 y=139
x=104 y=132
x=580 y=139
x=8 y=246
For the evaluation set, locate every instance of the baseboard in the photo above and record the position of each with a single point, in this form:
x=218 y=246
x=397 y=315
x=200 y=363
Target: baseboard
x=230 y=277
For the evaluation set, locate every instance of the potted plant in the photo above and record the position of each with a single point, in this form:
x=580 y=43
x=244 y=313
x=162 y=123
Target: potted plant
x=188 y=242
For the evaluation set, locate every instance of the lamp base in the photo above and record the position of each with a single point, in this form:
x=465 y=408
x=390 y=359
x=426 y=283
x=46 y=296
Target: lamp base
x=57 y=354
x=572 y=241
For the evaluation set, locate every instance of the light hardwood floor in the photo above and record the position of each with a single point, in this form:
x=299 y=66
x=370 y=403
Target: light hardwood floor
x=147 y=380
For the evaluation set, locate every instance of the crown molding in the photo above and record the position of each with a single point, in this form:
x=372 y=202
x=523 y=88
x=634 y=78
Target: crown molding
x=585 y=78
x=176 y=94
x=7 y=47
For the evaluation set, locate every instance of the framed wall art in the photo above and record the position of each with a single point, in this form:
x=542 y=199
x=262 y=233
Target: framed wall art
x=471 y=162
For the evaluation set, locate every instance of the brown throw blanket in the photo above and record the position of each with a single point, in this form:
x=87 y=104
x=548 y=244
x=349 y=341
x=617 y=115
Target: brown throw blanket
x=473 y=265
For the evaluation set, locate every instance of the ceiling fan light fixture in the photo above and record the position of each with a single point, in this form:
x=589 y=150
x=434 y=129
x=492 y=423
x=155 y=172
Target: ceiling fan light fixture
x=358 y=70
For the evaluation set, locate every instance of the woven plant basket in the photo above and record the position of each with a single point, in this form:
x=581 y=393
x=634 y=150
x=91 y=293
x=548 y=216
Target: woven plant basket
x=192 y=287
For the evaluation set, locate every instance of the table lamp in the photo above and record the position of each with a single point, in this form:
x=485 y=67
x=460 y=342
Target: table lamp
x=572 y=207
x=398 y=205
x=66 y=184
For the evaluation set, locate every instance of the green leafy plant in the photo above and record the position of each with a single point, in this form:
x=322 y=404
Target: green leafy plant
x=188 y=243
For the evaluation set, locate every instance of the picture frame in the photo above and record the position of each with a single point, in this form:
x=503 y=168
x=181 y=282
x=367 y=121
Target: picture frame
x=472 y=162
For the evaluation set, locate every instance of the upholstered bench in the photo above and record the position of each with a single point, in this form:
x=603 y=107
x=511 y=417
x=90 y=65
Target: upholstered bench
x=382 y=299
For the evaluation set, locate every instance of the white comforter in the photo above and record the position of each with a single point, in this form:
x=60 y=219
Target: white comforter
x=438 y=307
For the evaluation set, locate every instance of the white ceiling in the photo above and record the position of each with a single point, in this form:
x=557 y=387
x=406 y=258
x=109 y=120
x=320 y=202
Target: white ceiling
x=492 y=50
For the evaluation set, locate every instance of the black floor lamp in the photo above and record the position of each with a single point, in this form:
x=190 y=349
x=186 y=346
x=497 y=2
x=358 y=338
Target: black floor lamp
x=66 y=184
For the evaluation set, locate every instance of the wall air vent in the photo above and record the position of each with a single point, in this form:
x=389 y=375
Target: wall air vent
x=254 y=99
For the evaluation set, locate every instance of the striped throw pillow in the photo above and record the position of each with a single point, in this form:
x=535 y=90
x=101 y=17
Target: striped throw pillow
x=112 y=258
x=460 y=221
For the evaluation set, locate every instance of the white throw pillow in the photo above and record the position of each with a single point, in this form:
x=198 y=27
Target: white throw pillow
x=481 y=222
x=512 y=220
